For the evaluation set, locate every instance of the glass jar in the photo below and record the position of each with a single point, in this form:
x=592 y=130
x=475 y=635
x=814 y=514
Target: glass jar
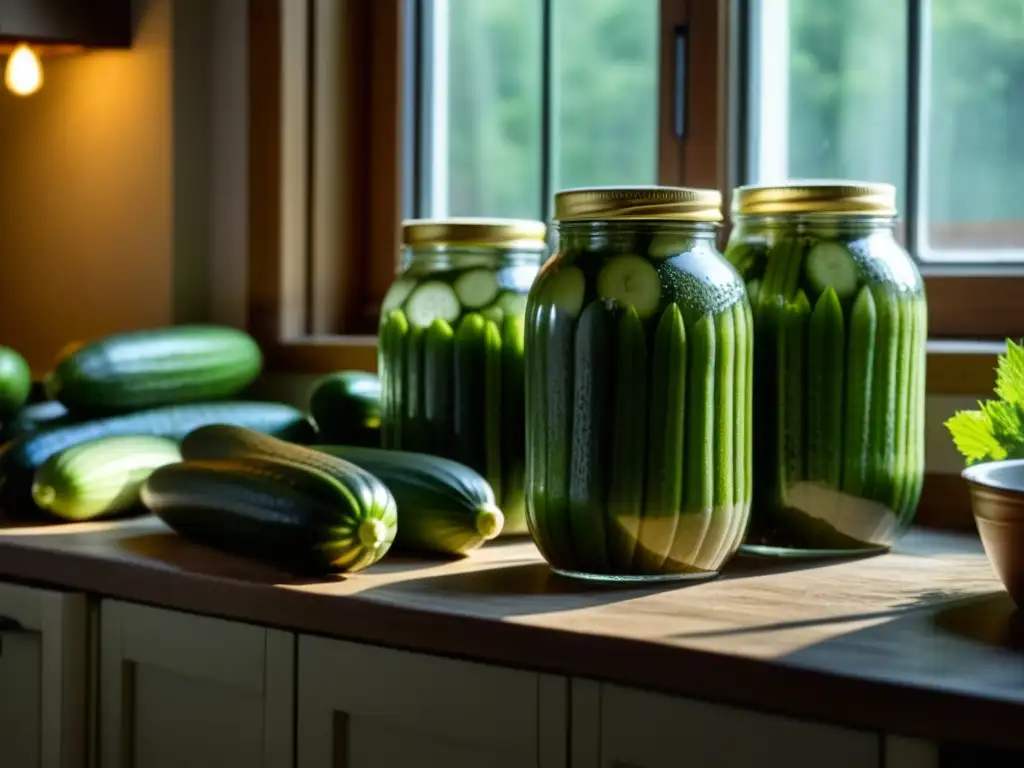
x=638 y=399
x=451 y=348
x=840 y=323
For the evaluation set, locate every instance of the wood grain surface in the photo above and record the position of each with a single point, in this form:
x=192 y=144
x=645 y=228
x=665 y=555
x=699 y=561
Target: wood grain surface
x=920 y=642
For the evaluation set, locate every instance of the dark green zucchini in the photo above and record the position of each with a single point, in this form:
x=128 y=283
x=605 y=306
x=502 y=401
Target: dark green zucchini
x=20 y=458
x=443 y=506
x=282 y=512
x=147 y=369
x=346 y=408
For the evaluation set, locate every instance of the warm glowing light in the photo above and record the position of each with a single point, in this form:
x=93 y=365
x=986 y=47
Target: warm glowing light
x=24 y=73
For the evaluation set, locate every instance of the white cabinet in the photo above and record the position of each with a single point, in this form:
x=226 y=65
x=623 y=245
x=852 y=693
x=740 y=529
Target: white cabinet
x=44 y=704
x=368 y=707
x=615 y=727
x=179 y=690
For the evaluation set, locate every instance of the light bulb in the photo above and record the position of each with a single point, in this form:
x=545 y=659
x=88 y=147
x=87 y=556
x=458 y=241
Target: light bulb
x=24 y=73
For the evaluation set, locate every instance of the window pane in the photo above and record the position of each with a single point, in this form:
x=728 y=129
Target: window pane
x=483 y=157
x=605 y=92
x=829 y=90
x=976 y=125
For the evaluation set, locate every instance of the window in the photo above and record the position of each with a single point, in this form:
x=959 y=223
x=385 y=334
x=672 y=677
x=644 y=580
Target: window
x=926 y=94
x=362 y=113
x=518 y=98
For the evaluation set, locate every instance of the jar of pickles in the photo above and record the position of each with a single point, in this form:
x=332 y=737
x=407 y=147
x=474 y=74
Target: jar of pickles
x=638 y=396
x=451 y=348
x=840 y=324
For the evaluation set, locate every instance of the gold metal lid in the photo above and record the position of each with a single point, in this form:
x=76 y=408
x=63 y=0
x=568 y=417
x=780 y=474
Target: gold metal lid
x=815 y=196
x=470 y=231
x=638 y=203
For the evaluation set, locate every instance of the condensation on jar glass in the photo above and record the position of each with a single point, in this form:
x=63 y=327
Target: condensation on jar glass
x=451 y=348
x=840 y=323
x=638 y=357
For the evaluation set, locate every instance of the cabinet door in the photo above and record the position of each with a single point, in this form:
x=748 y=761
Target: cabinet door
x=368 y=707
x=178 y=689
x=44 y=710
x=616 y=727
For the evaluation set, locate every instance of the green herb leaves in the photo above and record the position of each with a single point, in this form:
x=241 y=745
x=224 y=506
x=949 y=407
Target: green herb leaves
x=996 y=430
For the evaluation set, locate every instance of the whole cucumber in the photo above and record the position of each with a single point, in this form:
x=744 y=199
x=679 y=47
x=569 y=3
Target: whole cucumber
x=147 y=369
x=15 y=382
x=860 y=358
x=277 y=511
x=346 y=408
x=35 y=416
x=100 y=477
x=20 y=458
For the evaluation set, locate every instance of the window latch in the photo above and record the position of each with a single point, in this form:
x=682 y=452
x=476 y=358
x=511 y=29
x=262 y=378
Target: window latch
x=682 y=85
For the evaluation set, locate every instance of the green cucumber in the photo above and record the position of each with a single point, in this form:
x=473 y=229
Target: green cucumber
x=860 y=358
x=443 y=506
x=431 y=301
x=15 y=383
x=35 y=416
x=396 y=296
x=493 y=438
x=276 y=510
x=916 y=429
x=591 y=435
x=414 y=428
x=748 y=427
x=439 y=384
x=782 y=273
x=754 y=292
x=742 y=407
x=512 y=303
x=536 y=403
x=831 y=265
x=470 y=367
x=905 y=361
x=701 y=420
x=628 y=442
x=716 y=539
x=346 y=408
x=564 y=289
x=513 y=429
x=557 y=382
x=882 y=431
x=663 y=497
x=476 y=288
x=392 y=367
x=826 y=361
x=100 y=477
x=20 y=458
x=791 y=370
x=147 y=369
x=631 y=281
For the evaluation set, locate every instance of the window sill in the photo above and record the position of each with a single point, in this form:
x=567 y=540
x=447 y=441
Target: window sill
x=962 y=367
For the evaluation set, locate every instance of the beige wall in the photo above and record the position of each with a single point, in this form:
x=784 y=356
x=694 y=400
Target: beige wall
x=122 y=192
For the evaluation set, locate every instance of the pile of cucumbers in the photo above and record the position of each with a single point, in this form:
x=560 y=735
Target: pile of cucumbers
x=148 y=421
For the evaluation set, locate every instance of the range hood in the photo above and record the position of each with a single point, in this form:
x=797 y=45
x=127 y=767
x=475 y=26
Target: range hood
x=66 y=24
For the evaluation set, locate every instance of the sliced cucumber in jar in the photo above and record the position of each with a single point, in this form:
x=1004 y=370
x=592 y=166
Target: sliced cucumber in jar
x=631 y=281
x=831 y=265
x=512 y=303
x=668 y=244
x=432 y=301
x=396 y=296
x=476 y=288
x=564 y=289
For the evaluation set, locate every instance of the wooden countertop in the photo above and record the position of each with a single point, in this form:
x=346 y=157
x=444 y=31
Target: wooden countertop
x=920 y=642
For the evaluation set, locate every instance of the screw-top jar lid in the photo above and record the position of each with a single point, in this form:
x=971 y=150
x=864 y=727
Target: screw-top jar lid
x=816 y=196
x=638 y=203
x=503 y=233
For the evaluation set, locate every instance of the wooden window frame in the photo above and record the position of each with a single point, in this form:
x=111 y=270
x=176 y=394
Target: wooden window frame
x=325 y=176
x=364 y=172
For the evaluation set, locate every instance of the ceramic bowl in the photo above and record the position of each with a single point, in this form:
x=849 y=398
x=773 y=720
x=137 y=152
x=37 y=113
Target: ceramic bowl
x=997 y=499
